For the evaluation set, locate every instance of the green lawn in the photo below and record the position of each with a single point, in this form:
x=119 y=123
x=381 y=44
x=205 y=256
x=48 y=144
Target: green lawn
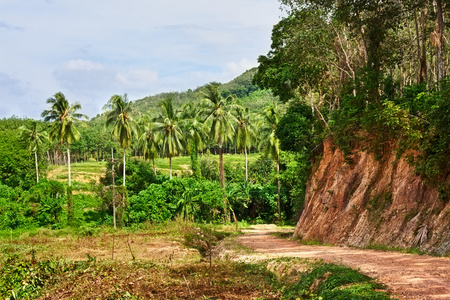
x=183 y=163
x=85 y=172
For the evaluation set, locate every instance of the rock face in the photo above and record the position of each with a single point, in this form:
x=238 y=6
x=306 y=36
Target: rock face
x=372 y=202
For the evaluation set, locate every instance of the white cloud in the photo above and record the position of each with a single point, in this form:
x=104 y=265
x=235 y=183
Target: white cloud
x=236 y=68
x=84 y=77
x=90 y=77
x=81 y=65
x=90 y=50
x=139 y=79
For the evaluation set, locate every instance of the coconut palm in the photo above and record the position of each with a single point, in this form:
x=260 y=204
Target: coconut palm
x=271 y=142
x=119 y=114
x=219 y=120
x=64 y=117
x=168 y=132
x=34 y=140
x=193 y=133
x=245 y=133
x=148 y=141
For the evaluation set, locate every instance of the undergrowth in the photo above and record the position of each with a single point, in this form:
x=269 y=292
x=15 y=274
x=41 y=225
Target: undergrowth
x=93 y=279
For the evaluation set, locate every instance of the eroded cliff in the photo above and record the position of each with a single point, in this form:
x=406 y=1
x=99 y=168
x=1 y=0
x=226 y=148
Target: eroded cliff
x=372 y=201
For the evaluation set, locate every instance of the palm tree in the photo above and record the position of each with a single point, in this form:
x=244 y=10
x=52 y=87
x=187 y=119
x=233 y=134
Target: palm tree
x=34 y=139
x=271 y=142
x=219 y=121
x=169 y=132
x=119 y=113
x=64 y=117
x=148 y=141
x=245 y=133
x=193 y=133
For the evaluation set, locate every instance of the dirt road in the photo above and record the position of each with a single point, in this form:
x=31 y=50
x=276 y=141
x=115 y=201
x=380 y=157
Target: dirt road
x=407 y=276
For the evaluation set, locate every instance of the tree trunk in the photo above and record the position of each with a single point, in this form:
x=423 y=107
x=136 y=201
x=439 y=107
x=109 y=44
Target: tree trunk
x=423 y=59
x=221 y=171
x=246 y=164
x=37 y=168
x=114 y=195
x=440 y=41
x=154 y=166
x=69 y=206
x=222 y=181
x=113 y=188
x=68 y=162
x=416 y=25
x=124 y=155
x=279 y=190
x=170 y=166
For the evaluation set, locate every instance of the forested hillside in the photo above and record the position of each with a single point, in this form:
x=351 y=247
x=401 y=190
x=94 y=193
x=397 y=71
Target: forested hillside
x=374 y=75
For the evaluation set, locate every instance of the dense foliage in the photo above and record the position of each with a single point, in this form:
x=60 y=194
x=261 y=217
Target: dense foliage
x=353 y=66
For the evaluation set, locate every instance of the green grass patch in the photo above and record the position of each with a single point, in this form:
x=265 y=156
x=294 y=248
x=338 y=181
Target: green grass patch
x=319 y=280
x=413 y=250
x=182 y=164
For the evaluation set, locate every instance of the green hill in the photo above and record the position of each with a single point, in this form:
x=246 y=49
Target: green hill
x=240 y=87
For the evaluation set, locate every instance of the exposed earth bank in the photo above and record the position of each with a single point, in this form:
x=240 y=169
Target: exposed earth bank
x=371 y=201
x=407 y=276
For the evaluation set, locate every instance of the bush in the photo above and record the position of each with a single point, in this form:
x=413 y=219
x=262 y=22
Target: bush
x=41 y=205
x=260 y=171
x=195 y=200
x=150 y=204
x=209 y=167
x=251 y=201
x=139 y=175
x=234 y=174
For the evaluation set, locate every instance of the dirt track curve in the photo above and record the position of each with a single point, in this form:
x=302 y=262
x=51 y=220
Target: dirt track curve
x=407 y=276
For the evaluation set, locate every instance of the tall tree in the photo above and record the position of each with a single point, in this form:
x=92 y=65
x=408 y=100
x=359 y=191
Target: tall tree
x=148 y=141
x=34 y=139
x=438 y=40
x=193 y=133
x=64 y=117
x=219 y=120
x=119 y=114
x=300 y=57
x=169 y=133
x=271 y=142
x=246 y=133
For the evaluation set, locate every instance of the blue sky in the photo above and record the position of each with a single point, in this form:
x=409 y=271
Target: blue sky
x=93 y=49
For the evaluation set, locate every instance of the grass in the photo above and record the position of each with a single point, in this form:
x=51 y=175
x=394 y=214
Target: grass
x=82 y=172
x=300 y=279
x=413 y=250
x=86 y=172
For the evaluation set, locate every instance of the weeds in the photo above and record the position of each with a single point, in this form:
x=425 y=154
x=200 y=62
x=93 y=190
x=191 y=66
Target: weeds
x=412 y=250
x=93 y=279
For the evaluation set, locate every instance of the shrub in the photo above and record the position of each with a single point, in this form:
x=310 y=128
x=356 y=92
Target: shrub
x=195 y=200
x=260 y=171
x=209 y=167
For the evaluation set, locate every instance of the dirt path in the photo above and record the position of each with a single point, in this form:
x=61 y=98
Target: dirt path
x=407 y=276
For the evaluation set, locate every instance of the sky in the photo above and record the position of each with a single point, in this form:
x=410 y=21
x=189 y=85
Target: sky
x=91 y=50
